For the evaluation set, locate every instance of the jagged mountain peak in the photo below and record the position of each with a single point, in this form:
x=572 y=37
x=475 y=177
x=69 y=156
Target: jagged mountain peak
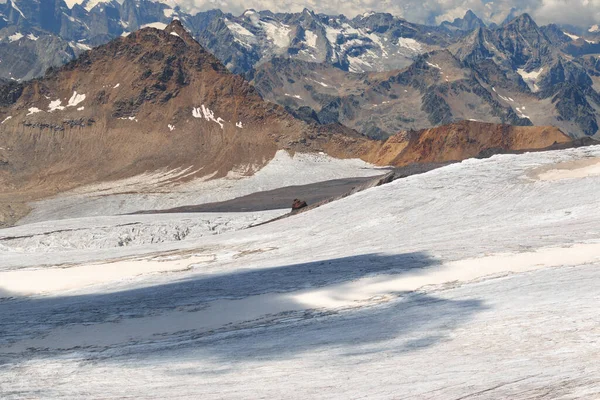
x=476 y=46
x=176 y=28
x=470 y=15
x=469 y=22
x=171 y=43
x=522 y=22
x=525 y=43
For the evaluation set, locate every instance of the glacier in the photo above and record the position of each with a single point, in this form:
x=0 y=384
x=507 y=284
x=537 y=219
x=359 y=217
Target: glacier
x=476 y=280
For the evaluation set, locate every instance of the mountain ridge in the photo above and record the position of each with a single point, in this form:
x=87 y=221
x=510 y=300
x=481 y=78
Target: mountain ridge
x=146 y=102
x=513 y=72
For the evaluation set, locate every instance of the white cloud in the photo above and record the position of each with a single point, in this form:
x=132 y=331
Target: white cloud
x=576 y=12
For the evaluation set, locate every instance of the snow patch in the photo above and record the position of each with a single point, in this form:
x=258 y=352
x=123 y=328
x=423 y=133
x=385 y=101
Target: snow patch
x=80 y=108
x=33 y=110
x=55 y=105
x=410 y=44
x=332 y=34
x=239 y=125
x=321 y=83
x=17 y=9
x=278 y=33
x=75 y=99
x=6 y=119
x=171 y=127
x=156 y=25
x=79 y=46
x=130 y=118
x=116 y=86
x=174 y=34
x=531 y=78
x=14 y=37
x=377 y=40
x=520 y=113
x=207 y=114
x=31 y=36
x=238 y=29
x=573 y=37
x=310 y=38
x=358 y=65
x=241 y=35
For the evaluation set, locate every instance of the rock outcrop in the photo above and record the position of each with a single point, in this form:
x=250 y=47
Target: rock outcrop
x=467 y=139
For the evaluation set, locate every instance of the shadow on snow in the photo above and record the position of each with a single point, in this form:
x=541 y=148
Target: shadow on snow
x=420 y=320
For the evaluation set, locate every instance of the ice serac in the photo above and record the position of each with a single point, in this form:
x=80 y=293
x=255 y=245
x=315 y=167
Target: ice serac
x=119 y=100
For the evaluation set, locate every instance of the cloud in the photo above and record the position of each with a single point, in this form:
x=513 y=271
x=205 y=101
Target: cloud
x=576 y=12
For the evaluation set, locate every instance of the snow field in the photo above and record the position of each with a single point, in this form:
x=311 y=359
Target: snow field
x=156 y=190
x=428 y=287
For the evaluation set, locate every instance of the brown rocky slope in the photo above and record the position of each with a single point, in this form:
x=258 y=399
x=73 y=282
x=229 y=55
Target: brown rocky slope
x=463 y=140
x=154 y=99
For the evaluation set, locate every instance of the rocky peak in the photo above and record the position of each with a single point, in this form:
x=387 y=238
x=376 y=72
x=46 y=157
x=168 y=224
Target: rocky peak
x=523 y=23
x=512 y=15
x=555 y=34
x=469 y=22
x=470 y=16
x=175 y=28
x=524 y=42
x=475 y=47
x=308 y=13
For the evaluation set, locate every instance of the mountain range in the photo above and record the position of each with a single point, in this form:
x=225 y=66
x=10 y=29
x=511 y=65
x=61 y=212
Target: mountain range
x=156 y=100
x=375 y=73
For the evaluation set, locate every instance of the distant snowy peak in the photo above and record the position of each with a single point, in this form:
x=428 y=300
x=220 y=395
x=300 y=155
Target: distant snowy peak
x=90 y=4
x=366 y=43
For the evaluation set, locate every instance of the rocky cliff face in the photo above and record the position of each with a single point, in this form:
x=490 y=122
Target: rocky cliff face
x=437 y=89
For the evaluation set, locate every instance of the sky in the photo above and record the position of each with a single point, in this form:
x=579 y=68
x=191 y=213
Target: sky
x=582 y=13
